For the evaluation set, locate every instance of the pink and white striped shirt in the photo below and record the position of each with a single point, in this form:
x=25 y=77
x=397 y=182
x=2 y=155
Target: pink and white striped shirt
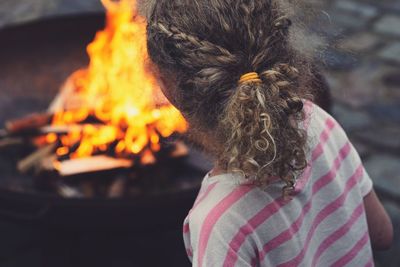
x=234 y=224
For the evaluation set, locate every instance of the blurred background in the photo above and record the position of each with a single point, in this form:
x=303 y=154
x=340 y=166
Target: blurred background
x=358 y=44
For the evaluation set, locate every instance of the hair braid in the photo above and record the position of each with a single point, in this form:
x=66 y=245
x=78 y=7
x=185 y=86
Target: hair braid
x=203 y=49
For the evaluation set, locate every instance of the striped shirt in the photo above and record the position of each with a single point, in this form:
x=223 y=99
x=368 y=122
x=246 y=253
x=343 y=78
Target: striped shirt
x=237 y=224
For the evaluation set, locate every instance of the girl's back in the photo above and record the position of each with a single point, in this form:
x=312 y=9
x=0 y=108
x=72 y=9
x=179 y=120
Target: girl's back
x=323 y=225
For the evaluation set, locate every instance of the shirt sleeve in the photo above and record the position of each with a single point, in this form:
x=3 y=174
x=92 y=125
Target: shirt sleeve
x=353 y=159
x=365 y=182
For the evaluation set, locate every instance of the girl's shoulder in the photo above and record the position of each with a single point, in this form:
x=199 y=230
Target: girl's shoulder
x=329 y=145
x=321 y=126
x=315 y=115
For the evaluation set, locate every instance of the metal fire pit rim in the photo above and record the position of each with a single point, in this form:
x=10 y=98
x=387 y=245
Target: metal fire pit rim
x=124 y=201
x=95 y=213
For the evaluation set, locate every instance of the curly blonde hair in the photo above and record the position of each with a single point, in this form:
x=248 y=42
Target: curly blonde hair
x=206 y=46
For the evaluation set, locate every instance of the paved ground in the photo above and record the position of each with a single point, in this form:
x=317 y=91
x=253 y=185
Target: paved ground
x=362 y=62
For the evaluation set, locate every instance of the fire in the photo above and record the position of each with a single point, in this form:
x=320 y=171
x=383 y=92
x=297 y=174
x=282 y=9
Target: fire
x=116 y=103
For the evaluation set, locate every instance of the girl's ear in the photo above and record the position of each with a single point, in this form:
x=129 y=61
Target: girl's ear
x=164 y=87
x=168 y=87
x=164 y=83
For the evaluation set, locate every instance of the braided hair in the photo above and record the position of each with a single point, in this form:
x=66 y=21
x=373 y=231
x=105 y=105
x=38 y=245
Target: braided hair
x=206 y=46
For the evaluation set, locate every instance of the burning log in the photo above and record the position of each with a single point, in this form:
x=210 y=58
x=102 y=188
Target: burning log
x=59 y=129
x=29 y=123
x=38 y=124
x=24 y=128
x=35 y=158
x=92 y=164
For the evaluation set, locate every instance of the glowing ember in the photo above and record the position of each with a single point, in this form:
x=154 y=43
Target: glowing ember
x=115 y=103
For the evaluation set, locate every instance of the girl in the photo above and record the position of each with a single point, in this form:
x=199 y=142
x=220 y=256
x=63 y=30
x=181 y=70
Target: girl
x=288 y=188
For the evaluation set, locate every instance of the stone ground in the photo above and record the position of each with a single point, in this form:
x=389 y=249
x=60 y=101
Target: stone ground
x=362 y=67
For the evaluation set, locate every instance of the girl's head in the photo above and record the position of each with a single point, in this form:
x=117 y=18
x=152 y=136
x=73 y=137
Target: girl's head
x=202 y=49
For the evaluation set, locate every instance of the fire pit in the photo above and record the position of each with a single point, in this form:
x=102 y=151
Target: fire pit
x=108 y=132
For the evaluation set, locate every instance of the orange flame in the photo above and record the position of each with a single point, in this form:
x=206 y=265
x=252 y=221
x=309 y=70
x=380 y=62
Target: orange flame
x=118 y=91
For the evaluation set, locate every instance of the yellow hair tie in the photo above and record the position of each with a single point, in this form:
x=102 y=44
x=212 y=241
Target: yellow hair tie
x=250 y=77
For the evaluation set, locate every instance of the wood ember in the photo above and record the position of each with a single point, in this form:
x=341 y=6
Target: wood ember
x=34 y=159
x=91 y=164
